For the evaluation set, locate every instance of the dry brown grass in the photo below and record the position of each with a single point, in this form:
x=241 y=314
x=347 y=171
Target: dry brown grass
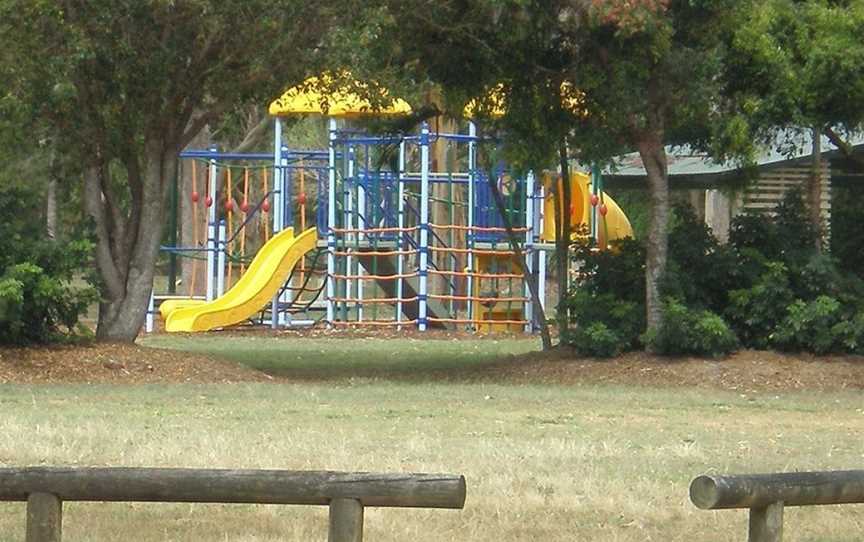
x=542 y=462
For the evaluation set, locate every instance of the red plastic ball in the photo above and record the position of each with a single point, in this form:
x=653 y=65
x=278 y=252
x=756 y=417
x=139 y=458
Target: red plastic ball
x=301 y=198
x=595 y=199
x=195 y=197
x=603 y=210
x=229 y=205
x=208 y=201
x=265 y=206
x=244 y=206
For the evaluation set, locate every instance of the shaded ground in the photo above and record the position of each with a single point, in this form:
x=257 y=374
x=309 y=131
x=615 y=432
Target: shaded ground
x=117 y=363
x=744 y=371
x=210 y=360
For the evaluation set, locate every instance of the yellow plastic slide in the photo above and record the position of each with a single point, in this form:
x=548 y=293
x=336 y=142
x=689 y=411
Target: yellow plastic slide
x=614 y=225
x=265 y=276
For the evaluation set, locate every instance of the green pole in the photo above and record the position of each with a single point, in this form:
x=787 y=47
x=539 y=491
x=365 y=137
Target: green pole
x=172 y=228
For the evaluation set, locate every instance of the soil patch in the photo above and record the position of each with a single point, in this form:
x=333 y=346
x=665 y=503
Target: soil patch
x=744 y=371
x=116 y=364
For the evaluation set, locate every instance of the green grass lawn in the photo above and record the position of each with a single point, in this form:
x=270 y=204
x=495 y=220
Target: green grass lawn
x=347 y=357
x=541 y=462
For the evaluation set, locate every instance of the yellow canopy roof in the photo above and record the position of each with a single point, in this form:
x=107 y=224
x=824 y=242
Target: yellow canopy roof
x=496 y=101
x=309 y=97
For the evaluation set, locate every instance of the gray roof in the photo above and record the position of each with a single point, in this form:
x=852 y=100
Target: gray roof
x=687 y=165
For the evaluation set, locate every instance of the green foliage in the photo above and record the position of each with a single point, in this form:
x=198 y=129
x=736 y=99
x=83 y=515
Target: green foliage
x=128 y=85
x=597 y=318
x=39 y=298
x=637 y=208
x=788 y=236
x=755 y=312
x=768 y=287
x=596 y=340
x=812 y=326
x=850 y=332
x=799 y=63
x=847 y=235
x=686 y=331
x=700 y=270
x=609 y=302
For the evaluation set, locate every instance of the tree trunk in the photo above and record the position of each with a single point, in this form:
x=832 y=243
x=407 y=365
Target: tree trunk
x=653 y=154
x=128 y=274
x=562 y=241
x=51 y=209
x=539 y=315
x=814 y=188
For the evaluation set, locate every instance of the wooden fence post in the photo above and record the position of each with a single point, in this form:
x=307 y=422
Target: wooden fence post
x=766 y=523
x=44 y=518
x=346 y=520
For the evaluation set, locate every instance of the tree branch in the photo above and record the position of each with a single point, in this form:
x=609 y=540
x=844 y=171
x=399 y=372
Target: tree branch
x=198 y=124
x=845 y=148
x=95 y=207
x=538 y=314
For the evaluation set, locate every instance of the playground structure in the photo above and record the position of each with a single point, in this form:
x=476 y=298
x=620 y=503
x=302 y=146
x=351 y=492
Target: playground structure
x=406 y=244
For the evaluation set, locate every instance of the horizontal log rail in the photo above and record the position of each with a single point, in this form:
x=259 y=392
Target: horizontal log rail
x=346 y=493
x=766 y=495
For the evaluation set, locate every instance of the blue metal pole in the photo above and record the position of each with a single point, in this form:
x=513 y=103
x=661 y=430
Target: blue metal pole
x=277 y=220
x=331 y=224
x=469 y=238
x=424 y=226
x=211 y=227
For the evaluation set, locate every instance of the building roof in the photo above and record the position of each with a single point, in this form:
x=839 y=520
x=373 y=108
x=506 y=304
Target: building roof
x=688 y=166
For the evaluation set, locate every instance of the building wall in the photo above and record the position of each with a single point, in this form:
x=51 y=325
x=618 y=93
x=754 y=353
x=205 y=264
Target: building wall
x=763 y=195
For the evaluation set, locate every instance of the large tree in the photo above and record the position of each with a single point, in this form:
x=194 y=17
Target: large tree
x=583 y=79
x=472 y=48
x=799 y=66
x=650 y=74
x=127 y=84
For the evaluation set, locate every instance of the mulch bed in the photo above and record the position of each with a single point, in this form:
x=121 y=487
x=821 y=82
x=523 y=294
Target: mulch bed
x=117 y=363
x=745 y=371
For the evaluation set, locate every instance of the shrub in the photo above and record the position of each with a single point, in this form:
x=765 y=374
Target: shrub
x=811 y=326
x=850 y=333
x=755 y=312
x=596 y=340
x=38 y=295
x=608 y=303
x=847 y=235
x=788 y=236
x=700 y=270
x=686 y=331
x=592 y=314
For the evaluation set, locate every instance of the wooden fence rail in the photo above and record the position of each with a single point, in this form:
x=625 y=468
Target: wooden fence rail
x=766 y=495
x=346 y=493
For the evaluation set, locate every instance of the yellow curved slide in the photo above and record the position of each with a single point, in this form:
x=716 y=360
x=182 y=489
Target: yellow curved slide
x=614 y=225
x=265 y=276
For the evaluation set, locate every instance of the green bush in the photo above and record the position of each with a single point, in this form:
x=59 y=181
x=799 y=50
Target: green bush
x=850 y=333
x=608 y=303
x=690 y=332
x=769 y=283
x=847 y=235
x=700 y=270
x=592 y=314
x=596 y=340
x=755 y=312
x=787 y=236
x=812 y=326
x=39 y=299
